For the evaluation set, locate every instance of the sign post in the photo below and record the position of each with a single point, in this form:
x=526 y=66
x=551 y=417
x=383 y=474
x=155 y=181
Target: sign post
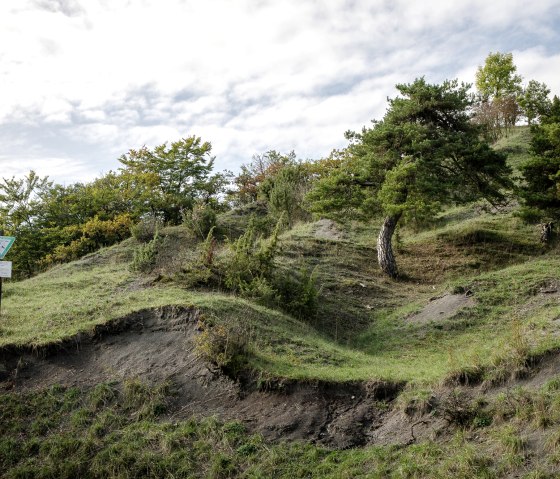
x=6 y=243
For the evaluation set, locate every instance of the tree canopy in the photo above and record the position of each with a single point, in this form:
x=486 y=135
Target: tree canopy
x=171 y=178
x=499 y=87
x=541 y=188
x=424 y=153
x=534 y=101
x=497 y=78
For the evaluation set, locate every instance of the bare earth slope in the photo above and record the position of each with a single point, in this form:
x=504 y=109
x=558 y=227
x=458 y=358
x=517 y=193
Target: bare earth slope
x=157 y=345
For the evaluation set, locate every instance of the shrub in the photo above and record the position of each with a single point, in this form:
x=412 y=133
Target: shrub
x=200 y=220
x=225 y=348
x=250 y=260
x=90 y=236
x=297 y=292
x=145 y=255
x=146 y=228
x=200 y=270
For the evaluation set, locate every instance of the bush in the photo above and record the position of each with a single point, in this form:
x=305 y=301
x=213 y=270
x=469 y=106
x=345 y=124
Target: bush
x=200 y=271
x=250 y=260
x=297 y=292
x=249 y=270
x=145 y=256
x=225 y=348
x=90 y=236
x=200 y=220
x=146 y=228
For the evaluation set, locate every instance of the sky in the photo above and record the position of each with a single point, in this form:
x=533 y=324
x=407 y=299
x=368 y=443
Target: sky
x=84 y=81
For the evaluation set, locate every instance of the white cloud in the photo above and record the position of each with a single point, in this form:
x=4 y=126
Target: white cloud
x=249 y=75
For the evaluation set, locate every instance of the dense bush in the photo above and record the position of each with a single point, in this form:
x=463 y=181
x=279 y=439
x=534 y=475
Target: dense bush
x=90 y=236
x=146 y=228
x=145 y=255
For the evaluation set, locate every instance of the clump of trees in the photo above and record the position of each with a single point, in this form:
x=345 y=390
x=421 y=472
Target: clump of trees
x=55 y=223
x=501 y=98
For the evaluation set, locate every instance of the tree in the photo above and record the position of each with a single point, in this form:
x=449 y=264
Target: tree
x=20 y=200
x=498 y=86
x=534 y=101
x=173 y=177
x=425 y=153
x=497 y=78
x=253 y=175
x=540 y=191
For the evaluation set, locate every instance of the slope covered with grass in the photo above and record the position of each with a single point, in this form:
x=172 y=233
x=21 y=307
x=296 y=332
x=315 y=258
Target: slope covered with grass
x=366 y=328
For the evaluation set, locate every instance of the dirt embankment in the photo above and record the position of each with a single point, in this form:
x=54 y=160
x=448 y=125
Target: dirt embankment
x=158 y=345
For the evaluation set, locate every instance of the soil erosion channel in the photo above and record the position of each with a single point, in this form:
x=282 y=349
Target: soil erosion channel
x=158 y=345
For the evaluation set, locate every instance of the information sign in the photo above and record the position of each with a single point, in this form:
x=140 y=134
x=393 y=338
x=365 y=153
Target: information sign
x=5 y=269
x=6 y=243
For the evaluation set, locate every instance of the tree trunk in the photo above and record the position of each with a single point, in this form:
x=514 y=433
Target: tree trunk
x=547 y=232
x=385 y=254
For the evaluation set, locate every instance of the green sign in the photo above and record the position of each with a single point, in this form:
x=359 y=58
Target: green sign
x=6 y=243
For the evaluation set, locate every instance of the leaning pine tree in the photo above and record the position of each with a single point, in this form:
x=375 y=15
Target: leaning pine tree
x=424 y=154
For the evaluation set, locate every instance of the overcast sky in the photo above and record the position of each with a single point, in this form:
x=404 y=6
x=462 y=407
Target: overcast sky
x=83 y=81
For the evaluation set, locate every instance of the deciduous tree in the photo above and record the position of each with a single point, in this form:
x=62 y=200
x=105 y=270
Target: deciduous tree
x=534 y=101
x=498 y=86
x=171 y=177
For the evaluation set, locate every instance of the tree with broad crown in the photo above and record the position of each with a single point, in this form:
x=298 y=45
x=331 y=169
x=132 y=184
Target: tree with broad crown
x=497 y=77
x=173 y=177
x=425 y=153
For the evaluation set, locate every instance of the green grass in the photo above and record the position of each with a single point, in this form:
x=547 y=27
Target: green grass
x=360 y=332
x=128 y=431
x=517 y=146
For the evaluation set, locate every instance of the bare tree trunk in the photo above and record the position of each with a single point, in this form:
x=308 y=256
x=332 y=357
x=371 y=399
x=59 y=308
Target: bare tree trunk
x=385 y=254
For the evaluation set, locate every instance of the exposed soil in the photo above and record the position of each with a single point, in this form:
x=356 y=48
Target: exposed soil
x=327 y=229
x=444 y=307
x=157 y=345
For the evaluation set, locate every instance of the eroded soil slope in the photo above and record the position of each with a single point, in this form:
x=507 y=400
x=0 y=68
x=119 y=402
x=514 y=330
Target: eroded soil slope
x=158 y=345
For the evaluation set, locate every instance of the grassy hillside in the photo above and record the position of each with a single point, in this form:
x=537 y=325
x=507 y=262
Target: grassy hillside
x=479 y=303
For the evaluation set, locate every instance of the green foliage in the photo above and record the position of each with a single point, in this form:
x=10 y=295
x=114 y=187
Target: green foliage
x=250 y=262
x=90 y=236
x=173 y=177
x=285 y=192
x=534 y=101
x=423 y=155
x=497 y=78
x=250 y=180
x=541 y=189
x=20 y=200
x=499 y=88
x=201 y=219
x=201 y=270
x=146 y=254
x=298 y=292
